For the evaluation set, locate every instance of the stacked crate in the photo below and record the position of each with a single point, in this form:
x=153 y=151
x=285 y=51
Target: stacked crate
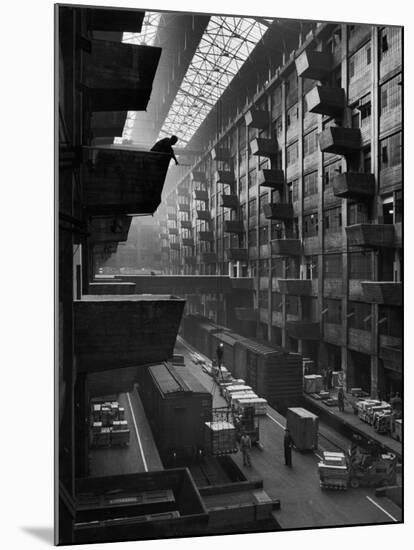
x=220 y=438
x=108 y=425
x=303 y=427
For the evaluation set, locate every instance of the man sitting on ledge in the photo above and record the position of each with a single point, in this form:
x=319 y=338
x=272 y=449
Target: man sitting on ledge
x=165 y=146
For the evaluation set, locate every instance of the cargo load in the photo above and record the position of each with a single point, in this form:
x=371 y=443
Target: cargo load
x=333 y=470
x=312 y=383
x=228 y=390
x=220 y=438
x=236 y=396
x=258 y=403
x=338 y=379
x=303 y=427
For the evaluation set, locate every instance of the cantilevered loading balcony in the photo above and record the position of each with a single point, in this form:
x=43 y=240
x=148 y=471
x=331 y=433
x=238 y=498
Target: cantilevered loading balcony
x=225 y=177
x=237 y=254
x=382 y=292
x=183 y=207
x=392 y=357
x=190 y=260
x=271 y=178
x=173 y=230
x=203 y=215
x=263 y=147
x=340 y=141
x=229 y=201
x=120 y=181
x=114 y=20
x=278 y=211
x=256 y=118
x=220 y=154
x=200 y=195
x=186 y=224
x=113 y=332
x=371 y=235
x=187 y=242
x=314 y=65
x=107 y=229
x=326 y=100
x=209 y=257
x=295 y=287
x=118 y=76
x=303 y=330
x=286 y=247
x=198 y=176
x=207 y=236
x=233 y=226
x=110 y=123
x=105 y=250
x=354 y=185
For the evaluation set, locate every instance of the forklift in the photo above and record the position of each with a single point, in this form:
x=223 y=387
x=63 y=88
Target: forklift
x=365 y=465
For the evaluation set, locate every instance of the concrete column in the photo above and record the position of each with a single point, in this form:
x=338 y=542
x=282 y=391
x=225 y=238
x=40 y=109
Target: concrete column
x=344 y=210
x=375 y=125
x=283 y=167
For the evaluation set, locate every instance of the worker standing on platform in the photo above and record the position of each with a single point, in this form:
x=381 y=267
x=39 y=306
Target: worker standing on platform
x=288 y=444
x=341 y=398
x=245 y=446
x=219 y=353
x=165 y=146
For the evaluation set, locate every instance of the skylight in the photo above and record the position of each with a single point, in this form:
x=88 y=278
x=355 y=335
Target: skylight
x=223 y=49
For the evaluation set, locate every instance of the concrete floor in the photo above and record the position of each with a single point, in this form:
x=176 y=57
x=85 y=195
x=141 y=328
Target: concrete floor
x=303 y=503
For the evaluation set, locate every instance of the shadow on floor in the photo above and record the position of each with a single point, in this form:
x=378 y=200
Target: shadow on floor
x=44 y=534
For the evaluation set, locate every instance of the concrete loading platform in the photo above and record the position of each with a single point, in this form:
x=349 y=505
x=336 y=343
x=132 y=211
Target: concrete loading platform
x=350 y=423
x=141 y=455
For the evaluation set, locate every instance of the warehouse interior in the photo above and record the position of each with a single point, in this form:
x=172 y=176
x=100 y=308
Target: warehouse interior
x=269 y=257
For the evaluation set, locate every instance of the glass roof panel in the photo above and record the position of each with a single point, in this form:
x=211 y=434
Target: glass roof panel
x=223 y=49
x=226 y=44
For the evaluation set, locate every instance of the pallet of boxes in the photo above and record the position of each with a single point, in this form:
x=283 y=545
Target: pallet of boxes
x=108 y=425
x=313 y=385
x=220 y=438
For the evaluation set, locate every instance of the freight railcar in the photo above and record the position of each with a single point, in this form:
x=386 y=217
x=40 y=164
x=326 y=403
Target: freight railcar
x=272 y=372
x=177 y=406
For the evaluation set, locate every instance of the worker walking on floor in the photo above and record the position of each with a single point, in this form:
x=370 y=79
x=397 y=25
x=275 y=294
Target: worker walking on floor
x=245 y=446
x=288 y=444
x=341 y=400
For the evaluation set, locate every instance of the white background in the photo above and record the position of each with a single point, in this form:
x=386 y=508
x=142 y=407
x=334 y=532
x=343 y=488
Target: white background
x=27 y=263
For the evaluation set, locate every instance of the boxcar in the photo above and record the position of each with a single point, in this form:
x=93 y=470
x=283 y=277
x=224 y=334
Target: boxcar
x=177 y=406
x=273 y=373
